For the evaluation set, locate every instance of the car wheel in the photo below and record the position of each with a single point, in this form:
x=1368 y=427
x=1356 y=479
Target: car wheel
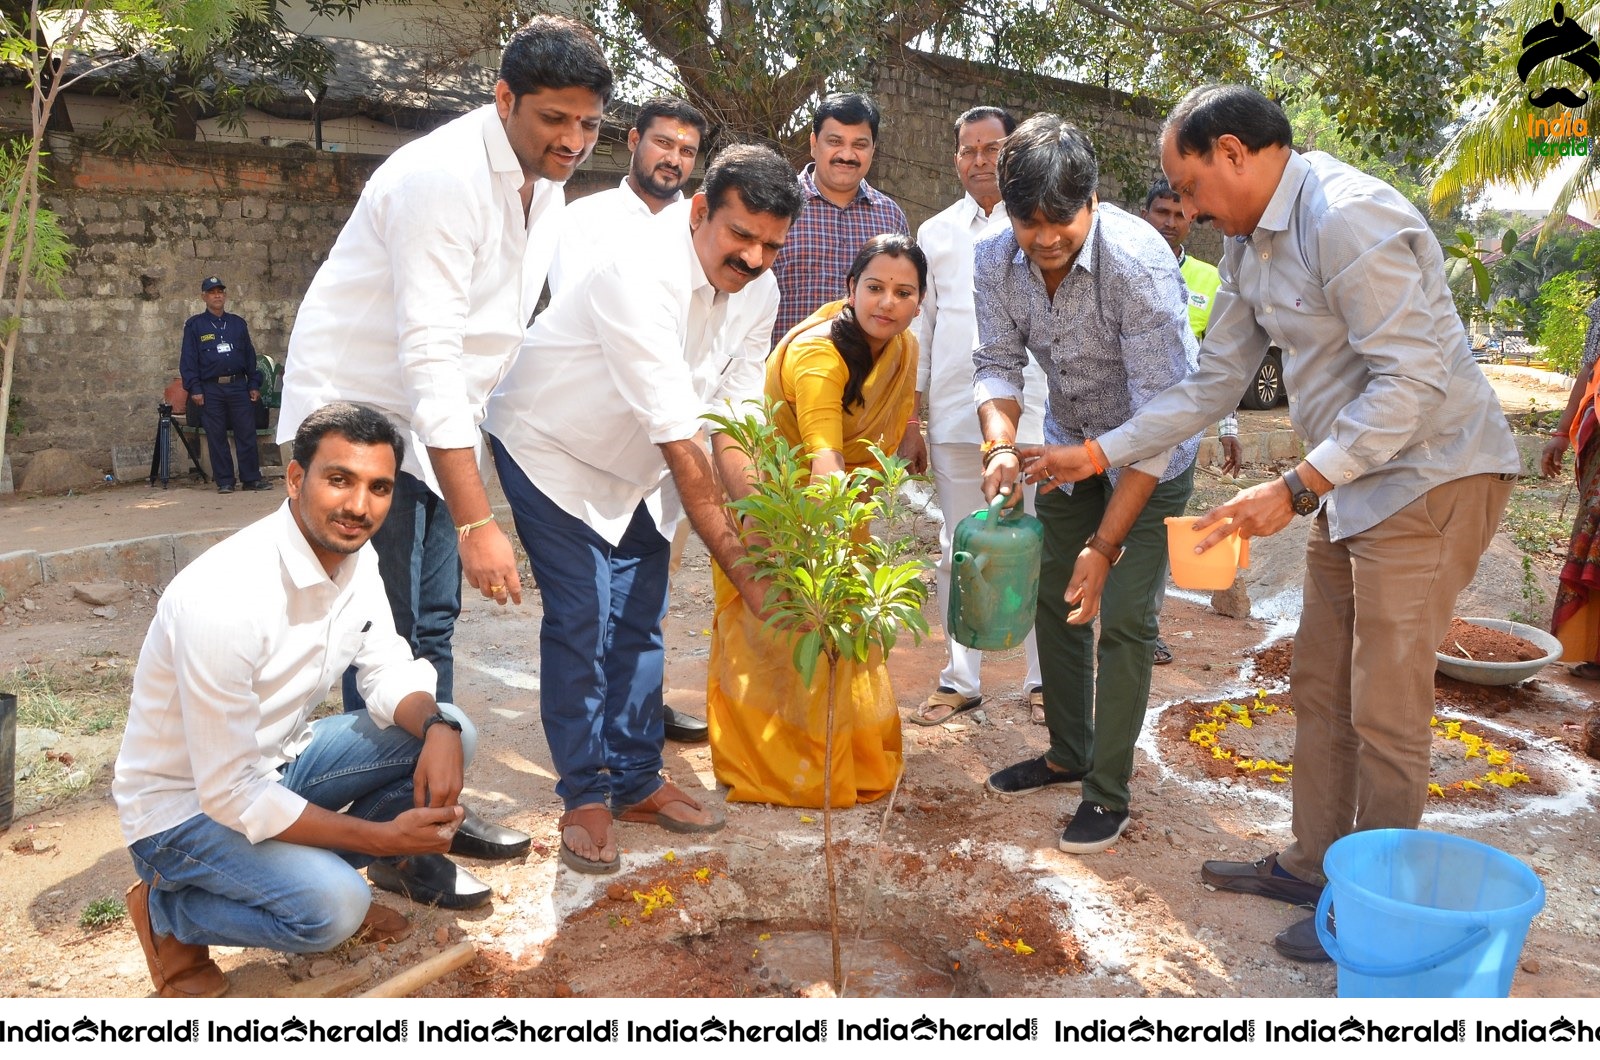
x=1266 y=389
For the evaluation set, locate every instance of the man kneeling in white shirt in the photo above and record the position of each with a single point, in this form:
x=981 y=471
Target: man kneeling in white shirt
x=230 y=797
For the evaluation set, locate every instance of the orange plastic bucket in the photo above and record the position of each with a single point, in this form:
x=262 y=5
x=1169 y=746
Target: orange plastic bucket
x=1215 y=568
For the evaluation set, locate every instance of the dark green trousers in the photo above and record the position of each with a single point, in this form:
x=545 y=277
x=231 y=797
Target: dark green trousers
x=1094 y=724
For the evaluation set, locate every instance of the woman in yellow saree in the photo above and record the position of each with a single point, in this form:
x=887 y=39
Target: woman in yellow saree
x=846 y=379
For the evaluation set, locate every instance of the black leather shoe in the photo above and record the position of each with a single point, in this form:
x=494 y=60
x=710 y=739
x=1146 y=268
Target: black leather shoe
x=1259 y=877
x=684 y=728
x=258 y=485
x=224 y=489
x=477 y=838
x=430 y=879
x=1299 y=942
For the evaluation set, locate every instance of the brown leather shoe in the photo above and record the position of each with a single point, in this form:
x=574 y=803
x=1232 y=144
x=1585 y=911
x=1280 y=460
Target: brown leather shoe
x=176 y=968
x=382 y=924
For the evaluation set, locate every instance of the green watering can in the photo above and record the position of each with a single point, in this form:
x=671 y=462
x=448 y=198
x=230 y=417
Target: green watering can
x=995 y=577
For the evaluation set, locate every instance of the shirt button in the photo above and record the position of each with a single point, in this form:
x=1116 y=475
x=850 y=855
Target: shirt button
x=1268 y=309
x=1265 y=254
x=1349 y=475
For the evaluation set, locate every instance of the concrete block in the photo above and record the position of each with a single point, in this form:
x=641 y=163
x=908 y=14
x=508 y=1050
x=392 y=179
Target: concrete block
x=20 y=571
x=147 y=560
x=131 y=463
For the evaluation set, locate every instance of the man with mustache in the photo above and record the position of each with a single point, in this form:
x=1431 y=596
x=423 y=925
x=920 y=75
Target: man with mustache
x=842 y=211
x=1409 y=467
x=419 y=310
x=596 y=436
x=665 y=142
x=245 y=819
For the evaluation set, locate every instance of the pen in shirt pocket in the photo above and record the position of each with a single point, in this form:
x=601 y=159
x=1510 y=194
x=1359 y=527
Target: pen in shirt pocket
x=366 y=627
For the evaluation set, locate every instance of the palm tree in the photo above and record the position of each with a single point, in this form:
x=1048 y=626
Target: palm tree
x=1492 y=145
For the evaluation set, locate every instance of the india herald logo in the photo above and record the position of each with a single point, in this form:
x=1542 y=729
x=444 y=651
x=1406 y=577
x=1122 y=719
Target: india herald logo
x=1559 y=38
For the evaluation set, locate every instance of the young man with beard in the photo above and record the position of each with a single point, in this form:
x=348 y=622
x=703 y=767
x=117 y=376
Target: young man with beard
x=603 y=409
x=246 y=820
x=419 y=310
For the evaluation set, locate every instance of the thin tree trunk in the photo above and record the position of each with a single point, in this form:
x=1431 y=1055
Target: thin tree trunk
x=827 y=826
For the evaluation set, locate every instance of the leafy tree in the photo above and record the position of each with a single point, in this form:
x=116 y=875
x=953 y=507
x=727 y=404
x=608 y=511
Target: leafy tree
x=1563 y=322
x=838 y=590
x=755 y=66
x=32 y=247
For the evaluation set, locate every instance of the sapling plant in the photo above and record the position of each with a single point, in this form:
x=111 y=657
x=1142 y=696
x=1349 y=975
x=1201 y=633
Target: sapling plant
x=834 y=590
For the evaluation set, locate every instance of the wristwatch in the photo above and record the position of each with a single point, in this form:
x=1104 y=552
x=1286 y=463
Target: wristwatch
x=1105 y=548
x=1301 y=499
x=440 y=718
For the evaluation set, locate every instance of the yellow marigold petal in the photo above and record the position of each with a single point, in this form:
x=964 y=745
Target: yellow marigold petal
x=1023 y=949
x=1434 y=789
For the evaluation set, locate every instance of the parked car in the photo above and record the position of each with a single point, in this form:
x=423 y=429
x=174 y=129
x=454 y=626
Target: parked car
x=1266 y=389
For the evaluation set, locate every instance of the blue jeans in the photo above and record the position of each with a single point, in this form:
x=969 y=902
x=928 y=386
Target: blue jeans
x=421 y=570
x=210 y=886
x=228 y=407
x=601 y=653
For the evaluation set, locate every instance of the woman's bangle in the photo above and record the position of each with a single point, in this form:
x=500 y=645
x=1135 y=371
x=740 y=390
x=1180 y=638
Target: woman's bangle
x=466 y=528
x=1090 y=447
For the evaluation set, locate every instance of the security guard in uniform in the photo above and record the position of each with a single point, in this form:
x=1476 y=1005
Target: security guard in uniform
x=219 y=372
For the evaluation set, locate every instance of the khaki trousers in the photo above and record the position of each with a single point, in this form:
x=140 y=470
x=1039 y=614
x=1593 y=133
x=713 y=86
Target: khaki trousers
x=1376 y=606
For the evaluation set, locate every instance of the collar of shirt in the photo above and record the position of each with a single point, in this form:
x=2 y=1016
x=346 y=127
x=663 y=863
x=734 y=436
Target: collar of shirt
x=977 y=220
x=502 y=159
x=808 y=185
x=1276 y=217
x=677 y=196
x=301 y=564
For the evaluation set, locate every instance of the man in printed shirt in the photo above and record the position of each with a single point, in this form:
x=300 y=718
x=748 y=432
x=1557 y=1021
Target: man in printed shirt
x=1200 y=281
x=602 y=409
x=1095 y=295
x=1410 y=463
x=842 y=211
x=945 y=332
x=246 y=821
x=420 y=309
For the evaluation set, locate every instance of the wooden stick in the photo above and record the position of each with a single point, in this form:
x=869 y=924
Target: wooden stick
x=334 y=984
x=420 y=975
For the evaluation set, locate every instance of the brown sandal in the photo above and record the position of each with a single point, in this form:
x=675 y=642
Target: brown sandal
x=594 y=818
x=648 y=811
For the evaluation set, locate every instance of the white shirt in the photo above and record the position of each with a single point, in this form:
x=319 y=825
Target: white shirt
x=594 y=228
x=247 y=640
x=424 y=299
x=947 y=329
x=630 y=360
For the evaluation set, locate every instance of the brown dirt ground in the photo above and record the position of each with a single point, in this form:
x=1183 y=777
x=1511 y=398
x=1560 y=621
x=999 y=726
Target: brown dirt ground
x=959 y=877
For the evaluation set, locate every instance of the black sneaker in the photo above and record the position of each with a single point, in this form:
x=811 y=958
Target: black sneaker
x=1093 y=828
x=1031 y=775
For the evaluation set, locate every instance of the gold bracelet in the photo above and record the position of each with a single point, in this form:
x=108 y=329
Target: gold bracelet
x=466 y=528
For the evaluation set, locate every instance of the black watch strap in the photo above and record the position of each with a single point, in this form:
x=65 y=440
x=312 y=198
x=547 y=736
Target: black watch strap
x=1301 y=499
x=439 y=718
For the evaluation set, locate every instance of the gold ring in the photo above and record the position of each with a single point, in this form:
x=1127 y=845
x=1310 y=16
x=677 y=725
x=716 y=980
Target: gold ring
x=497 y=589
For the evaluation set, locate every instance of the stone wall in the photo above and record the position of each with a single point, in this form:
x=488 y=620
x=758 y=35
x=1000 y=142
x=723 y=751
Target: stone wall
x=921 y=96
x=93 y=363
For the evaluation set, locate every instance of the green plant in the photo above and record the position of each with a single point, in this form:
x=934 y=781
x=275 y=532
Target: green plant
x=1563 y=324
x=840 y=591
x=102 y=912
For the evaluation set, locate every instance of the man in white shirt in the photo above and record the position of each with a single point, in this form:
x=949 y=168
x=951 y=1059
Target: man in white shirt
x=665 y=141
x=421 y=307
x=663 y=144
x=947 y=332
x=603 y=409
x=230 y=796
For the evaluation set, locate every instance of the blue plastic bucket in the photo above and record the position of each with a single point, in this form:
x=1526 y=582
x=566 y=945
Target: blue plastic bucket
x=1423 y=914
